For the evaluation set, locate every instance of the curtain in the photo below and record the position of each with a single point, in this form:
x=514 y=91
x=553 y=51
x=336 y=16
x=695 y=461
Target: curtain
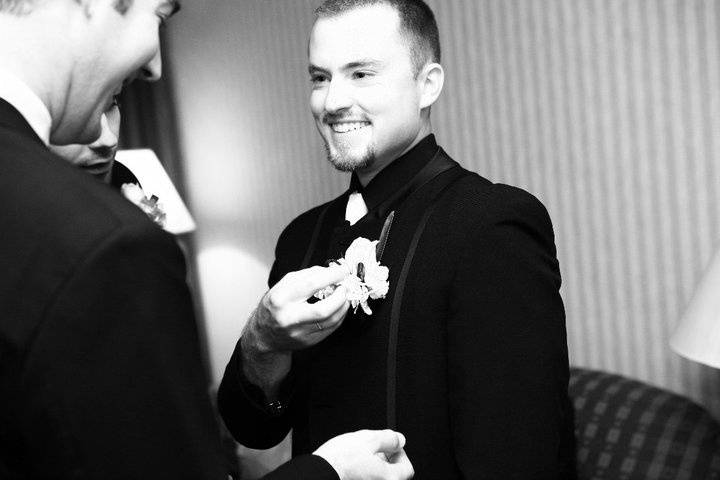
x=149 y=121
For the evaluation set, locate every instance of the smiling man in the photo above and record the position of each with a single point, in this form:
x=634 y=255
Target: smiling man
x=467 y=354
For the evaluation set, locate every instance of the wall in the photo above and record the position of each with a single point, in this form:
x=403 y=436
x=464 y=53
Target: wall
x=607 y=110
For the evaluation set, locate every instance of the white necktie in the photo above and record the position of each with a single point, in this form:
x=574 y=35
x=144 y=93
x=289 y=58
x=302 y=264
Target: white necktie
x=356 y=208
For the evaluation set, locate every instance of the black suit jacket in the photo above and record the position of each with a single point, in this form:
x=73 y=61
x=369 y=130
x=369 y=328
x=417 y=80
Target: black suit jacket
x=477 y=368
x=101 y=373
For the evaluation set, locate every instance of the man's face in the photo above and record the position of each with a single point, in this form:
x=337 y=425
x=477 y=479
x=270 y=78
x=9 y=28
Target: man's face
x=365 y=97
x=98 y=157
x=113 y=48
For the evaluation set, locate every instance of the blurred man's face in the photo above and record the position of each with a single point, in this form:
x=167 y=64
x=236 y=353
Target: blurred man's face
x=115 y=46
x=365 y=97
x=98 y=157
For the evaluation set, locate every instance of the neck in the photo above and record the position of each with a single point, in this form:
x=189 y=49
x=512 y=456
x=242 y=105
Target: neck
x=367 y=174
x=45 y=70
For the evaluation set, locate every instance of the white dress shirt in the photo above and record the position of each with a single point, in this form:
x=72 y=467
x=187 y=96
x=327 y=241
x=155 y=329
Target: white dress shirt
x=356 y=208
x=19 y=95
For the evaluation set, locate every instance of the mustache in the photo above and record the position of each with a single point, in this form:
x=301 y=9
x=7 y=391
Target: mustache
x=105 y=152
x=328 y=118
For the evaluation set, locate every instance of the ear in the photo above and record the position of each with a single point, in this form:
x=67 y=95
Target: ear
x=90 y=7
x=431 y=80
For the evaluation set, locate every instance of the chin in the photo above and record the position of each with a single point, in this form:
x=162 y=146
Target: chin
x=84 y=136
x=346 y=162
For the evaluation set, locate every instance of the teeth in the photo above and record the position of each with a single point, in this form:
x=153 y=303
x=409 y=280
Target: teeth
x=347 y=126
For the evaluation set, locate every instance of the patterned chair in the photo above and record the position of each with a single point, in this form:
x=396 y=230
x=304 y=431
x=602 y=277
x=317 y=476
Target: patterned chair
x=628 y=430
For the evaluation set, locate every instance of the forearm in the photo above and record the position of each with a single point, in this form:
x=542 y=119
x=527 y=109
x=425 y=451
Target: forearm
x=244 y=407
x=262 y=366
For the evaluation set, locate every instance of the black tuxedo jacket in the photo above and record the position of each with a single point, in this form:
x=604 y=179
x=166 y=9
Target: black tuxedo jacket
x=100 y=366
x=473 y=368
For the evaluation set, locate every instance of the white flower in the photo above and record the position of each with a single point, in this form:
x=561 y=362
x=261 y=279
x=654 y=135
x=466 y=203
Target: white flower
x=151 y=206
x=366 y=278
x=377 y=281
x=361 y=250
x=133 y=192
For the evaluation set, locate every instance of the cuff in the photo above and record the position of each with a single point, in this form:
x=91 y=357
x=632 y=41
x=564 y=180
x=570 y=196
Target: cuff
x=304 y=467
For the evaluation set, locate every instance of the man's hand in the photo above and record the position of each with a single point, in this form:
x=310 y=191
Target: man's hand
x=284 y=321
x=368 y=455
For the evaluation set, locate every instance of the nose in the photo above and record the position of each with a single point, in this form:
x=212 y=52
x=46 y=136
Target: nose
x=106 y=144
x=338 y=97
x=152 y=70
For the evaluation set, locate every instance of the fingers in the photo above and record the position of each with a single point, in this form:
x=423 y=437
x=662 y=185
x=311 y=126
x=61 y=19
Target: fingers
x=287 y=321
x=301 y=285
x=328 y=310
x=388 y=442
x=339 y=297
x=400 y=467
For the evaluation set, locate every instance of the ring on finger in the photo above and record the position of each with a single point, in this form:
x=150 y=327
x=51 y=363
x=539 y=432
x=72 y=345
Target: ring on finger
x=319 y=327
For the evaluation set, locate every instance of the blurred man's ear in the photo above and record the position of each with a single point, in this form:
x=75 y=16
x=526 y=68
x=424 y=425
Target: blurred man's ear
x=88 y=7
x=92 y=6
x=431 y=78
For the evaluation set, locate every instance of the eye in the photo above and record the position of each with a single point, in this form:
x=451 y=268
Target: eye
x=359 y=75
x=317 y=78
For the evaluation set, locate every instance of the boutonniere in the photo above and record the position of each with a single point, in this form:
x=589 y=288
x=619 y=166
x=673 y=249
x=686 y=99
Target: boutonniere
x=150 y=205
x=365 y=278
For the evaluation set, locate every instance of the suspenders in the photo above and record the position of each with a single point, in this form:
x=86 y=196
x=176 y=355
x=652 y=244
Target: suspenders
x=395 y=311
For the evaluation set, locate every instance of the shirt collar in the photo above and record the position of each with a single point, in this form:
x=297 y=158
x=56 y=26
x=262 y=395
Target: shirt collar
x=19 y=95
x=396 y=175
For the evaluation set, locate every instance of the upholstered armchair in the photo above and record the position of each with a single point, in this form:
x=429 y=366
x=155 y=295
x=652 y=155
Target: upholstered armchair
x=628 y=430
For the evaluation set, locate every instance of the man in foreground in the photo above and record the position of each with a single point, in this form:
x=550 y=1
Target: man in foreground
x=467 y=353
x=100 y=368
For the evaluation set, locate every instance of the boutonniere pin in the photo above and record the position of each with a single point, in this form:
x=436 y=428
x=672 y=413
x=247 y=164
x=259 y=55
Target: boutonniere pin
x=365 y=279
x=150 y=205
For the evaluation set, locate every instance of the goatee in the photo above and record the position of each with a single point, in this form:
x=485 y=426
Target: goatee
x=345 y=163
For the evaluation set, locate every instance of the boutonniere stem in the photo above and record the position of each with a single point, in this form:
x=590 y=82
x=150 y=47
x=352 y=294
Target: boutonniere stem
x=384 y=234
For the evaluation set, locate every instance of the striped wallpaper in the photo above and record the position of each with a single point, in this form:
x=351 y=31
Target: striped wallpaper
x=607 y=110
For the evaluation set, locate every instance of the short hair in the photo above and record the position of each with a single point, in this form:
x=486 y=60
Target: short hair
x=417 y=24
x=23 y=7
x=122 y=6
x=16 y=7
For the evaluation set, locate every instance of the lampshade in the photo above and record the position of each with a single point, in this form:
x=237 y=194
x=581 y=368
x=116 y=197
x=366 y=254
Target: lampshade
x=697 y=336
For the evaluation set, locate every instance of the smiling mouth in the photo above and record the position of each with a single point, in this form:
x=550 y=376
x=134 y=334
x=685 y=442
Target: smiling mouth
x=99 y=168
x=345 y=127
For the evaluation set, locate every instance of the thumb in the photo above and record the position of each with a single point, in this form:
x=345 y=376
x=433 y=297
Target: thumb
x=401 y=466
x=387 y=441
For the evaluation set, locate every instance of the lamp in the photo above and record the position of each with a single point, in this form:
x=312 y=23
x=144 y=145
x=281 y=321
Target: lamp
x=697 y=336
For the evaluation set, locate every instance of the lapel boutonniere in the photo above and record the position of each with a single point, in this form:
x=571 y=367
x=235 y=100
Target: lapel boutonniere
x=366 y=278
x=151 y=206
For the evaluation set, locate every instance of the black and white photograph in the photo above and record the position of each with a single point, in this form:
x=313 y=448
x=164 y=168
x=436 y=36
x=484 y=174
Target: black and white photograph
x=360 y=239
